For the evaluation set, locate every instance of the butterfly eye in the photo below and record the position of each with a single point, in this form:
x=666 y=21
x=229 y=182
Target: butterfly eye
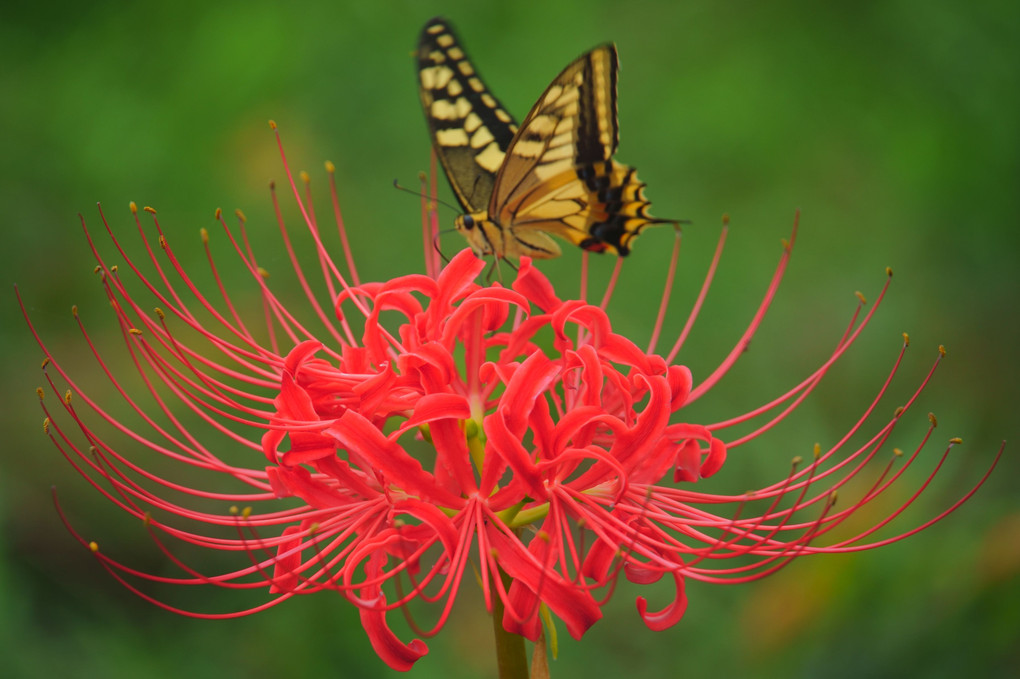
x=468 y=221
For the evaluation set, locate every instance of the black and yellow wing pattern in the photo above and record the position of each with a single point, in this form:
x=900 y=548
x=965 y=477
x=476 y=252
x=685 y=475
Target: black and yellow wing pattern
x=554 y=174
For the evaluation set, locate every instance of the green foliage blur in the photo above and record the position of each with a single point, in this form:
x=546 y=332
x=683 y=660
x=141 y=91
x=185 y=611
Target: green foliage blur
x=893 y=126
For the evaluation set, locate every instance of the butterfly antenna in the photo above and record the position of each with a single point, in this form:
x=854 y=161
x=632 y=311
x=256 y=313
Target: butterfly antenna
x=422 y=194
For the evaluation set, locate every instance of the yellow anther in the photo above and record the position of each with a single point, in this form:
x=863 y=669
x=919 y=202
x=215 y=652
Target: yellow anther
x=204 y=234
x=906 y=340
x=263 y=272
x=931 y=418
x=67 y=397
x=860 y=296
x=272 y=124
x=150 y=210
x=219 y=214
x=956 y=440
x=134 y=207
x=159 y=312
x=46 y=426
x=330 y=167
x=304 y=177
x=40 y=393
x=942 y=351
x=93 y=546
x=240 y=215
x=45 y=362
x=134 y=331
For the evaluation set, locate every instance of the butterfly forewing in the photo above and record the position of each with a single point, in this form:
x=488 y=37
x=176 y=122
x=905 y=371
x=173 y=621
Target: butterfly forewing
x=573 y=122
x=470 y=129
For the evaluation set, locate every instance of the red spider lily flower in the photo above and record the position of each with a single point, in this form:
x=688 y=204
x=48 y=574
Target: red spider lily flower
x=439 y=427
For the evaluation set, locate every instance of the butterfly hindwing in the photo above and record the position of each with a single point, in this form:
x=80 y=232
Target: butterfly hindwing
x=554 y=175
x=470 y=129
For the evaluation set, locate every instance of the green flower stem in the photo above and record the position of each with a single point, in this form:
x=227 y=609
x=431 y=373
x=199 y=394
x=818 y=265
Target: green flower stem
x=511 y=657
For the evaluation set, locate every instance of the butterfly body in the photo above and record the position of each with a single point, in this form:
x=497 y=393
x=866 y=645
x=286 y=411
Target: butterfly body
x=553 y=174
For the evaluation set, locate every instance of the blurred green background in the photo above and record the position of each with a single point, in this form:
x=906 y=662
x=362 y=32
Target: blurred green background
x=893 y=126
